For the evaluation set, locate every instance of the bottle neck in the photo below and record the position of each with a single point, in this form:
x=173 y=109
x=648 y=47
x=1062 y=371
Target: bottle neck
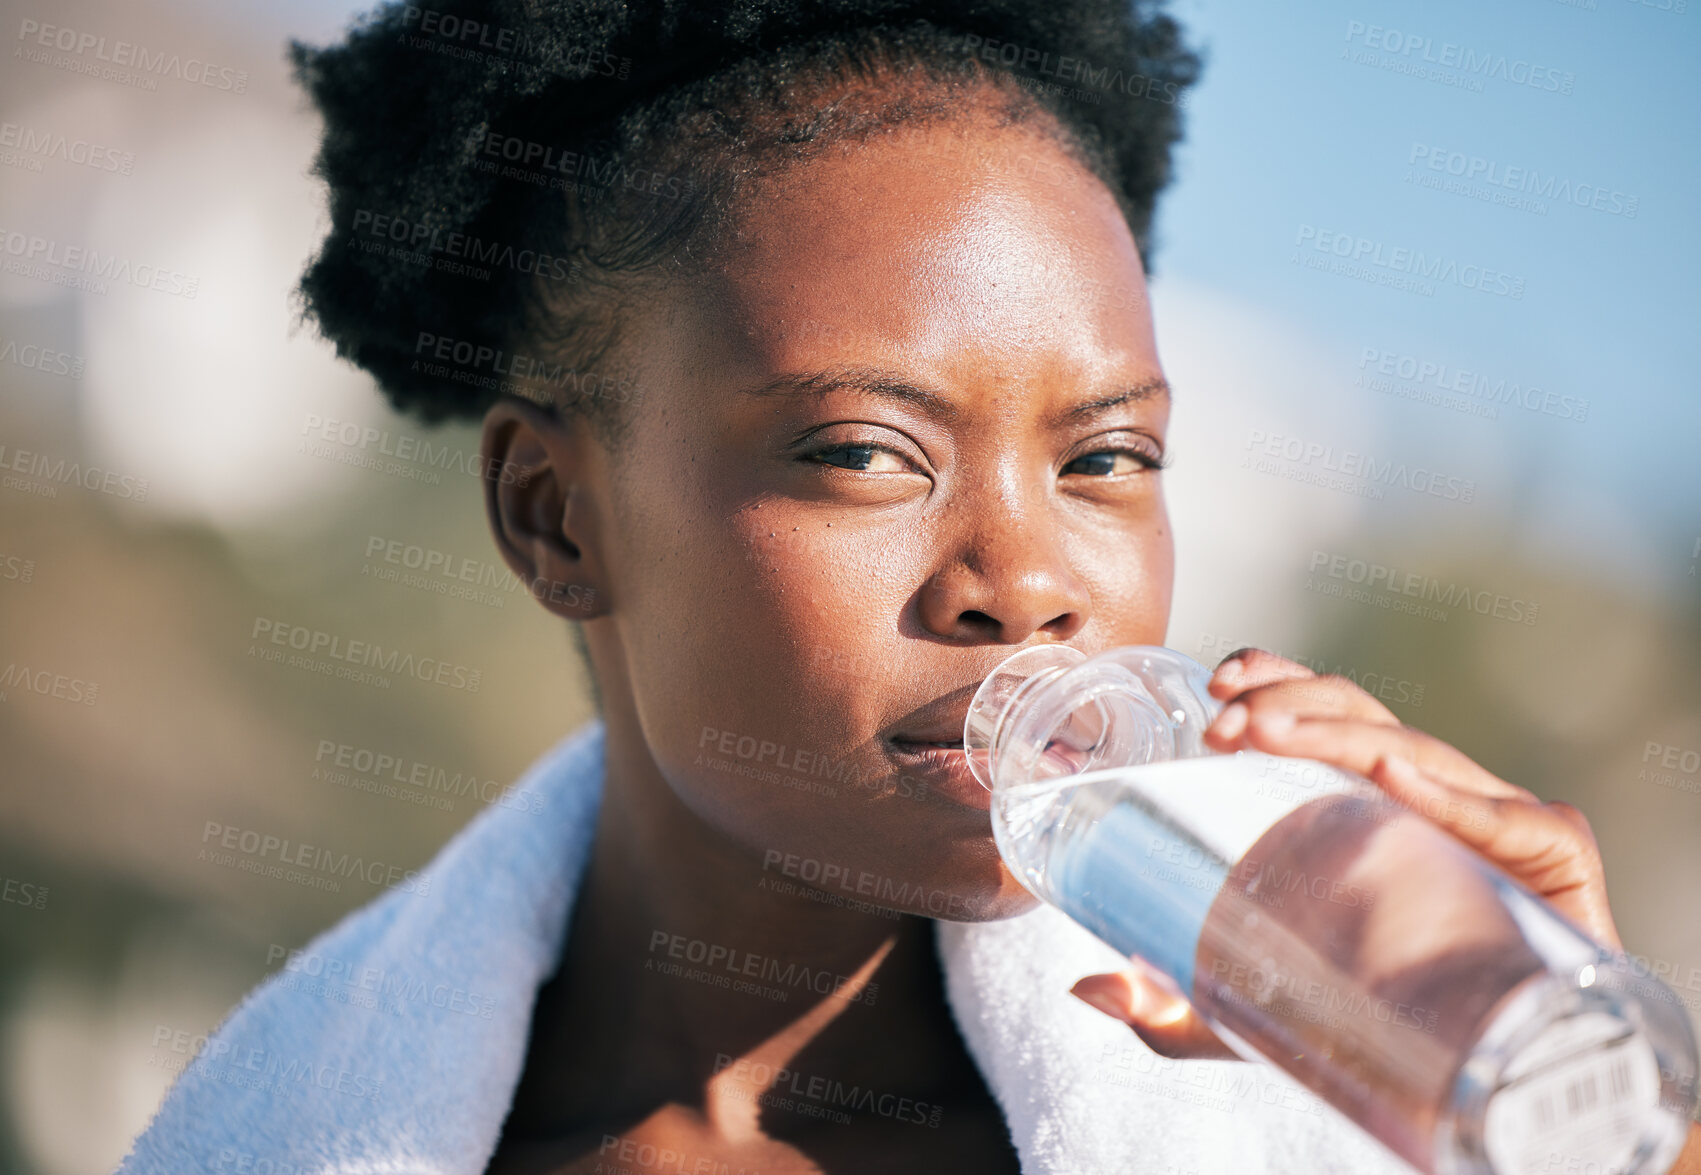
x=1049 y=712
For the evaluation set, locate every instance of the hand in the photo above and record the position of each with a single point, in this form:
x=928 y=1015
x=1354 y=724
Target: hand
x=1283 y=708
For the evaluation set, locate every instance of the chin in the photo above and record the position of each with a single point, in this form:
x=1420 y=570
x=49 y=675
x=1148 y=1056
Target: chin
x=993 y=902
x=996 y=909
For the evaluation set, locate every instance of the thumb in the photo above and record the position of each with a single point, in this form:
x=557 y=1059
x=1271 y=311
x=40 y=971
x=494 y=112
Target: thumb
x=1148 y=1002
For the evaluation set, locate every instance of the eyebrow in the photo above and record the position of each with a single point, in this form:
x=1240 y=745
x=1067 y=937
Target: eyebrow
x=1149 y=389
x=874 y=382
x=864 y=381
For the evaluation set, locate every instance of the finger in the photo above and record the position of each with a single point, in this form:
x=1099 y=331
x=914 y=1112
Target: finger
x=1572 y=816
x=1167 y=1023
x=1476 y=818
x=1312 y=697
x=1246 y=669
x=1550 y=848
x=1357 y=746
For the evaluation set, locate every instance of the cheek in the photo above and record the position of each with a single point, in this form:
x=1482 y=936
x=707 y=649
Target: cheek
x=756 y=666
x=1156 y=587
x=761 y=708
x=1131 y=573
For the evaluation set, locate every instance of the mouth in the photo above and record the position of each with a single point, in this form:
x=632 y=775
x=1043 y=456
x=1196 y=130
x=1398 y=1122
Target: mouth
x=927 y=745
x=906 y=743
x=938 y=724
x=943 y=765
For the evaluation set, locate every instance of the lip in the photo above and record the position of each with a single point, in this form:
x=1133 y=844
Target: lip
x=939 y=721
x=928 y=744
x=945 y=768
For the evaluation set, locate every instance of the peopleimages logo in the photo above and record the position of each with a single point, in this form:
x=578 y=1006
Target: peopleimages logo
x=1220 y=1087
x=467 y=362
x=754 y=754
x=1379 y=685
x=1250 y=983
x=1357 y=469
x=454 y=35
x=16 y=568
x=1524 y=181
x=772 y=1079
x=535 y=161
x=23 y=893
x=262 y=1070
x=42 y=257
x=350 y=981
x=1678 y=768
x=336 y=760
x=311 y=643
x=128 y=56
x=419 y=458
x=277 y=856
x=830 y=876
x=41 y=474
x=1425 y=587
x=1461 y=60
x=47 y=360
x=1104 y=78
x=1474 y=385
x=715 y=958
x=34 y=144
x=1412 y=263
x=48 y=684
x=420 y=243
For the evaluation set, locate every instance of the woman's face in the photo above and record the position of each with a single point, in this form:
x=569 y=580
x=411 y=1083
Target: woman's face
x=908 y=425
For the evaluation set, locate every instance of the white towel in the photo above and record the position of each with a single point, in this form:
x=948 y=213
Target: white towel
x=393 y=1043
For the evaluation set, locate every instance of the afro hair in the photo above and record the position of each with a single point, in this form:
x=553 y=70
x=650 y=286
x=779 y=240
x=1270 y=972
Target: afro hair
x=494 y=165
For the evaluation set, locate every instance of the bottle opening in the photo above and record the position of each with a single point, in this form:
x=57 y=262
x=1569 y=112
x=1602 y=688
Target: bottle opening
x=994 y=701
x=1051 y=711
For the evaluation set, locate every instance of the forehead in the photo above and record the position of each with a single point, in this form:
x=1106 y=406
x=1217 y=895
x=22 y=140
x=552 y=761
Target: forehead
x=941 y=246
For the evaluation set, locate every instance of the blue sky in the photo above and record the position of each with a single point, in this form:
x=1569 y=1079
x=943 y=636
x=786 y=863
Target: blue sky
x=1284 y=132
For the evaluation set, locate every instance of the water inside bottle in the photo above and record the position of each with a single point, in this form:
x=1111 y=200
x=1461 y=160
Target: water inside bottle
x=1355 y=944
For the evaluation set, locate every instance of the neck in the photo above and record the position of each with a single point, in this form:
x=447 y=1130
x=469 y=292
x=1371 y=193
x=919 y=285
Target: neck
x=692 y=975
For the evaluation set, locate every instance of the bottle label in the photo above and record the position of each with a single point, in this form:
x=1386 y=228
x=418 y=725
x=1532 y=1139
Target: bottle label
x=1575 y=1099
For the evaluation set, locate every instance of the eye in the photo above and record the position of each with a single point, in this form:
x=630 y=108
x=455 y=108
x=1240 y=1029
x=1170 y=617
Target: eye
x=1111 y=462
x=861 y=458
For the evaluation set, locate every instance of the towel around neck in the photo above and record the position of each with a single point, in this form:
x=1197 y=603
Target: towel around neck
x=406 y=1062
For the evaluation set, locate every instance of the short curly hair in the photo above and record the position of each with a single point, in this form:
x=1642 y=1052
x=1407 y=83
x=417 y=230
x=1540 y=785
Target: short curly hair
x=500 y=171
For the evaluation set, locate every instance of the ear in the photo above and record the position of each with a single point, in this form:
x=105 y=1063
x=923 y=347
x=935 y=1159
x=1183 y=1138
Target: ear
x=540 y=507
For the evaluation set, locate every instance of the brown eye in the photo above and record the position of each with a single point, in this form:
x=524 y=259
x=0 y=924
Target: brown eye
x=1108 y=462
x=861 y=458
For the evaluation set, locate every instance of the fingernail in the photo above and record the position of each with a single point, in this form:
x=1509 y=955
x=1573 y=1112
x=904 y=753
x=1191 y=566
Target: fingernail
x=1101 y=1001
x=1231 y=670
x=1231 y=722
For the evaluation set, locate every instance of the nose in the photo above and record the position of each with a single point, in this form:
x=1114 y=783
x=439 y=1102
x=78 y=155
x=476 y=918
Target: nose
x=1007 y=579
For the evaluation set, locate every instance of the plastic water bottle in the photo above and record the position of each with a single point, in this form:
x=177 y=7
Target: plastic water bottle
x=1322 y=928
